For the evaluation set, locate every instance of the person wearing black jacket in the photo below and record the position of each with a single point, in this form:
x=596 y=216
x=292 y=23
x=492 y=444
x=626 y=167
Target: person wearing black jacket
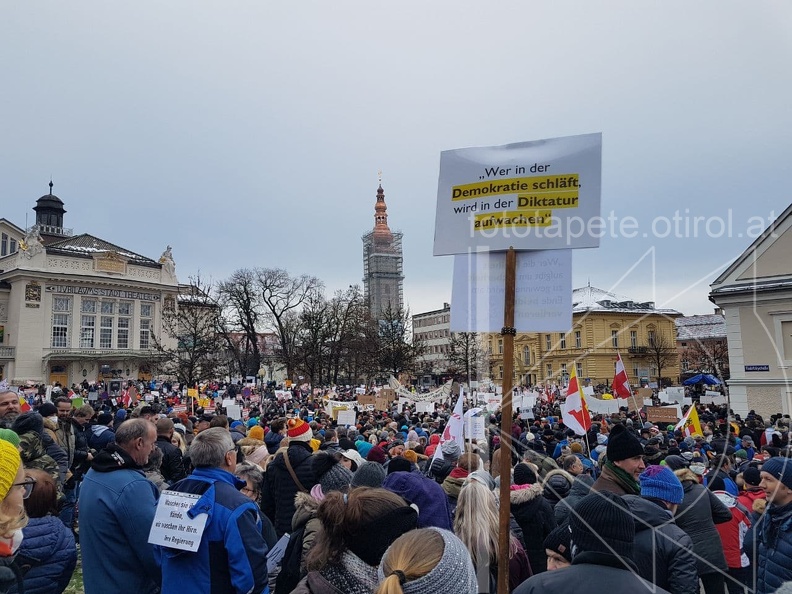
x=277 y=499
x=172 y=468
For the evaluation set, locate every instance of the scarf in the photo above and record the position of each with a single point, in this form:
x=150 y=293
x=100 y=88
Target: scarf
x=352 y=575
x=625 y=479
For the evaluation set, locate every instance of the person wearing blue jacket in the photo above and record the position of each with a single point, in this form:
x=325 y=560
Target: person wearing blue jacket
x=232 y=555
x=48 y=548
x=117 y=505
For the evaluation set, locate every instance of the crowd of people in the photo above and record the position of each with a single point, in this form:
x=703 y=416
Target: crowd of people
x=288 y=501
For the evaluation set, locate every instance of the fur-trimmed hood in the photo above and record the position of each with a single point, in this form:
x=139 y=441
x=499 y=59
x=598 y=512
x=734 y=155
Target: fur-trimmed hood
x=557 y=485
x=685 y=474
x=561 y=473
x=519 y=496
x=305 y=507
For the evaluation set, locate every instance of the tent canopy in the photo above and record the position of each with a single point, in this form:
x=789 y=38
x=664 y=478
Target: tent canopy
x=702 y=378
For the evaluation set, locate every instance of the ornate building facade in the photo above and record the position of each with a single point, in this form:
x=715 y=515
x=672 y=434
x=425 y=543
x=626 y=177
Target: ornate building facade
x=383 y=263
x=77 y=307
x=603 y=324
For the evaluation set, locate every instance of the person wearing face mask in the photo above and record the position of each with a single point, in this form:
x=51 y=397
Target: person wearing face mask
x=12 y=513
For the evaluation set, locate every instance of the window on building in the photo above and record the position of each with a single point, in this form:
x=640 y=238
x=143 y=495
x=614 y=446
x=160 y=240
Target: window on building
x=4 y=245
x=12 y=246
x=650 y=335
x=500 y=346
x=562 y=340
x=548 y=342
x=615 y=339
x=636 y=372
x=61 y=316
x=146 y=310
x=122 y=333
x=564 y=370
x=87 y=331
x=579 y=370
x=578 y=340
x=685 y=365
x=500 y=372
x=106 y=332
x=88 y=306
x=526 y=355
x=549 y=370
x=633 y=339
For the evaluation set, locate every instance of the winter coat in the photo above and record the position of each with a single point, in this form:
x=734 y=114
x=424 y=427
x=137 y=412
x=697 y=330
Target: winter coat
x=231 y=557
x=120 y=503
x=277 y=498
x=100 y=437
x=663 y=552
x=34 y=455
x=48 y=548
x=305 y=526
x=535 y=517
x=557 y=485
x=430 y=498
x=608 y=481
x=172 y=468
x=580 y=488
x=697 y=515
x=772 y=542
x=64 y=435
x=273 y=439
x=590 y=571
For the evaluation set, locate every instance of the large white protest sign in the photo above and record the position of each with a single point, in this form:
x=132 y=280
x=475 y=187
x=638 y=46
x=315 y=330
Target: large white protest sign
x=172 y=526
x=474 y=428
x=537 y=195
x=543 y=292
x=346 y=418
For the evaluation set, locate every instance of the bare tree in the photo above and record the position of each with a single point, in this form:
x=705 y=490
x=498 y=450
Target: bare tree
x=398 y=350
x=465 y=354
x=314 y=332
x=662 y=353
x=710 y=356
x=282 y=295
x=240 y=300
x=192 y=325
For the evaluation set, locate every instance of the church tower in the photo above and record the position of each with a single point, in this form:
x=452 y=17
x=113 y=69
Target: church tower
x=382 y=263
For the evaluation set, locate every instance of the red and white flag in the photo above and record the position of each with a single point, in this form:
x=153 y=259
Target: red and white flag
x=574 y=411
x=454 y=427
x=621 y=383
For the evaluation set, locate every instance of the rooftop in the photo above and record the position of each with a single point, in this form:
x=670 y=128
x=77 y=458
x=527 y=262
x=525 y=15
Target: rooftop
x=702 y=327
x=588 y=298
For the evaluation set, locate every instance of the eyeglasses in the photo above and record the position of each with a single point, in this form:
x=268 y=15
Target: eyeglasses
x=27 y=485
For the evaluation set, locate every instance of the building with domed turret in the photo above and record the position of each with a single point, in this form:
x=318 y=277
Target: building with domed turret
x=77 y=307
x=383 y=264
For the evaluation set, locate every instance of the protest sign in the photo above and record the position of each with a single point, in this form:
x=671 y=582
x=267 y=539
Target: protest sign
x=172 y=526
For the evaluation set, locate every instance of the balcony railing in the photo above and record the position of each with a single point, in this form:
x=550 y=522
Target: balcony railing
x=641 y=350
x=7 y=352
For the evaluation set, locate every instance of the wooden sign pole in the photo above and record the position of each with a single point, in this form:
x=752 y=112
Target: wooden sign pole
x=508 y=331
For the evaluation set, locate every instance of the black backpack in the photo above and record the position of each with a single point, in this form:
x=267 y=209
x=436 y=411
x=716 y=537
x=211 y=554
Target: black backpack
x=290 y=573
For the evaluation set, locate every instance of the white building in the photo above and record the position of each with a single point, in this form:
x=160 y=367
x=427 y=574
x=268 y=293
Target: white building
x=76 y=307
x=433 y=328
x=755 y=293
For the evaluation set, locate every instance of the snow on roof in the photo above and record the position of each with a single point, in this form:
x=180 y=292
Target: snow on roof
x=590 y=298
x=702 y=327
x=86 y=244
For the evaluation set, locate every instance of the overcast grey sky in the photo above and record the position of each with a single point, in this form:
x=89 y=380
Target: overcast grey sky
x=250 y=133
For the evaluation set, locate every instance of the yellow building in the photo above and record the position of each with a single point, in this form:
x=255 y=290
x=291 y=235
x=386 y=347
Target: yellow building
x=602 y=325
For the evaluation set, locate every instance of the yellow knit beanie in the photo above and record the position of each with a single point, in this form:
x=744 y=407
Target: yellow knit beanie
x=9 y=466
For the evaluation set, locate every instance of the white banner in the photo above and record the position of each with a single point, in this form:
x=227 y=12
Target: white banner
x=538 y=195
x=346 y=418
x=474 y=428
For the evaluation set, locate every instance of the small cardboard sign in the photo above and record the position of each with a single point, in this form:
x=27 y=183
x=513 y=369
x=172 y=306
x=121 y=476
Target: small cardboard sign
x=172 y=526
x=365 y=399
x=644 y=393
x=662 y=414
x=388 y=393
x=346 y=417
x=381 y=403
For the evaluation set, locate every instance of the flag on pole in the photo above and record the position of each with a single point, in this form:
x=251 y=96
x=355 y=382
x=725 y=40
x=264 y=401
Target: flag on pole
x=24 y=406
x=574 y=411
x=621 y=383
x=690 y=424
x=454 y=427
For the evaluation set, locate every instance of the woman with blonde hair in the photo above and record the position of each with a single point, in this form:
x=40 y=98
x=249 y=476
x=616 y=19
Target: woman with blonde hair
x=178 y=440
x=356 y=530
x=14 y=489
x=477 y=525
x=427 y=560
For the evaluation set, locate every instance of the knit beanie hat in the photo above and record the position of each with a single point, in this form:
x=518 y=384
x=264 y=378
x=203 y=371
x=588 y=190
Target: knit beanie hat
x=9 y=466
x=47 y=410
x=10 y=436
x=451 y=451
x=524 y=474
x=453 y=574
x=558 y=541
x=780 y=468
x=399 y=464
x=377 y=454
x=602 y=523
x=676 y=462
x=369 y=474
x=257 y=432
x=660 y=482
x=751 y=476
x=363 y=447
x=622 y=444
x=299 y=430
x=331 y=475
x=252 y=422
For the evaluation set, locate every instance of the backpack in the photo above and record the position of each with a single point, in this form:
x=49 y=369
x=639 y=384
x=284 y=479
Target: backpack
x=290 y=573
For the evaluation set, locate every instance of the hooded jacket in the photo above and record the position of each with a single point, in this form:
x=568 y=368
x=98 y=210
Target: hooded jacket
x=535 y=517
x=273 y=439
x=430 y=498
x=120 y=502
x=557 y=485
x=663 y=552
x=100 y=437
x=697 y=515
x=581 y=487
x=49 y=549
x=771 y=540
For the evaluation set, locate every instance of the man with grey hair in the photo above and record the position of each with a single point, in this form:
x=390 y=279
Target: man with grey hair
x=117 y=505
x=232 y=554
x=9 y=407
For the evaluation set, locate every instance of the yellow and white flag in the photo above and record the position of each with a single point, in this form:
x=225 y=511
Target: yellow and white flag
x=690 y=424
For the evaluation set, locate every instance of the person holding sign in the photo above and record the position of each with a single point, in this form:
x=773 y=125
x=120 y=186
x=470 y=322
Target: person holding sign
x=231 y=556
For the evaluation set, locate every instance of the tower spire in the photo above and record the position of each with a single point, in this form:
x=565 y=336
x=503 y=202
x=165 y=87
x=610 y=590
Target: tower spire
x=50 y=186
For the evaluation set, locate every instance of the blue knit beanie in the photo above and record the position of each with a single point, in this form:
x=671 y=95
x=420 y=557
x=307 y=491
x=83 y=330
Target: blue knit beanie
x=659 y=482
x=363 y=447
x=780 y=468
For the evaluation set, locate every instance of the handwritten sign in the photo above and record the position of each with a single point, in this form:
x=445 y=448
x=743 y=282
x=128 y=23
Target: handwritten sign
x=172 y=526
x=346 y=417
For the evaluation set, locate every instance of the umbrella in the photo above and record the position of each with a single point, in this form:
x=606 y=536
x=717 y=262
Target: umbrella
x=702 y=378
